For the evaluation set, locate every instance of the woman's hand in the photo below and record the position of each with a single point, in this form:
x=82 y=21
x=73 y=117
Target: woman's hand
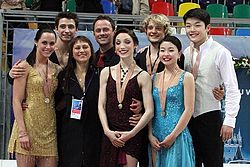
x=168 y=141
x=25 y=142
x=154 y=143
x=114 y=138
x=125 y=136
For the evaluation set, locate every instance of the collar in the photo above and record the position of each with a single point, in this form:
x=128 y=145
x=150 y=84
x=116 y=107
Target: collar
x=203 y=46
x=108 y=54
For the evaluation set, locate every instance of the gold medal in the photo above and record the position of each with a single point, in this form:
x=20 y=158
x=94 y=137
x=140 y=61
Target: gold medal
x=46 y=100
x=120 y=106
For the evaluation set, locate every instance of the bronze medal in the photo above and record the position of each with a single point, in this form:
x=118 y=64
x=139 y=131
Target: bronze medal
x=120 y=106
x=46 y=100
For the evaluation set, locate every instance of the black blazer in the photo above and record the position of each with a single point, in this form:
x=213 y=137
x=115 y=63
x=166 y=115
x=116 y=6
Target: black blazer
x=78 y=140
x=109 y=57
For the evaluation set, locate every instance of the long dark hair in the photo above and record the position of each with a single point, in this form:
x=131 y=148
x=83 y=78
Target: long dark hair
x=31 y=58
x=72 y=62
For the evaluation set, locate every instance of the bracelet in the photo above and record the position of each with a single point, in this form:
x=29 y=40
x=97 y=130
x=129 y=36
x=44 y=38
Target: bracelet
x=22 y=135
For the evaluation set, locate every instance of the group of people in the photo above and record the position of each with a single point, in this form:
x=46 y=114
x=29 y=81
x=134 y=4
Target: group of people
x=158 y=107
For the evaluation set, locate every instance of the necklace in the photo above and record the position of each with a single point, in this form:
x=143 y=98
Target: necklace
x=164 y=89
x=120 y=87
x=81 y=80
x=124 y=73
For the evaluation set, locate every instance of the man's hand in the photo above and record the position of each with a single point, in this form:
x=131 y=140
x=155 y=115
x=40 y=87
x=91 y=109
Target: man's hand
x=133 y=121
x=136 y=106
x=17 y=71
x=218 y=93
x=226 y=132
x=24 y=105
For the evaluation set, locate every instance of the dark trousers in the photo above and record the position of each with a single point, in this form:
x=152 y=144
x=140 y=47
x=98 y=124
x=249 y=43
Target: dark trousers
x=208 y=145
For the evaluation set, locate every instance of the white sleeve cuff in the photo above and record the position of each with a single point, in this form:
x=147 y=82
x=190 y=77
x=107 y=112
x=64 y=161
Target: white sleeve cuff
x=229 y=121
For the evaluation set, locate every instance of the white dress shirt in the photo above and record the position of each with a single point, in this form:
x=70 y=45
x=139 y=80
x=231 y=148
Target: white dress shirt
x=225 y=67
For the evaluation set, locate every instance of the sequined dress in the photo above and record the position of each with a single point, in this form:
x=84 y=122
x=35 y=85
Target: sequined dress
x=118 y=120
x=39 y=118
x=181 y=153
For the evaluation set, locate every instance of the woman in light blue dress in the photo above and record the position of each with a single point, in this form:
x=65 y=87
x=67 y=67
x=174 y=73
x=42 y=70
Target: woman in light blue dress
x=173 y=93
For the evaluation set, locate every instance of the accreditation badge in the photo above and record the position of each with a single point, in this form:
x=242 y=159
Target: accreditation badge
x=76 y=109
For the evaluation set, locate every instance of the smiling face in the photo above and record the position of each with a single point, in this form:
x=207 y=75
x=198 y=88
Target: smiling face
x=196 y=31
x=81 y=52
x=168 y=53
x=46 y=44
x=103 y=32
x=124 y=45
x=66 y=29
x=155 y=32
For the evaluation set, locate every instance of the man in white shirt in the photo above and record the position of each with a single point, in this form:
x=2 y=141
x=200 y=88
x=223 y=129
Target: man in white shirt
x=212 y=65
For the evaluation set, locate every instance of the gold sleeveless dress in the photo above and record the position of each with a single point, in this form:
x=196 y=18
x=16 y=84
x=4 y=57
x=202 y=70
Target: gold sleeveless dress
x=39 y=118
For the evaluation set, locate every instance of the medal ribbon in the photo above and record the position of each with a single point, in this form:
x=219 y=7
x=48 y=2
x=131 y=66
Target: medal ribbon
x=149 y=63
x=163 y=90
x=196 y=63
x=46 y=83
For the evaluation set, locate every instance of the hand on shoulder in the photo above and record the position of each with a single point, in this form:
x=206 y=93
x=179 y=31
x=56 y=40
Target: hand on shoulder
x=19 y=69
x=23 y=64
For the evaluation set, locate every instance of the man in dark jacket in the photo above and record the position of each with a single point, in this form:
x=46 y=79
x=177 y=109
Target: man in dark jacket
x=104 y=30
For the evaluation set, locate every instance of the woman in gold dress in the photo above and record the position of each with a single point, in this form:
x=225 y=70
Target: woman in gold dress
x=33 y=138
